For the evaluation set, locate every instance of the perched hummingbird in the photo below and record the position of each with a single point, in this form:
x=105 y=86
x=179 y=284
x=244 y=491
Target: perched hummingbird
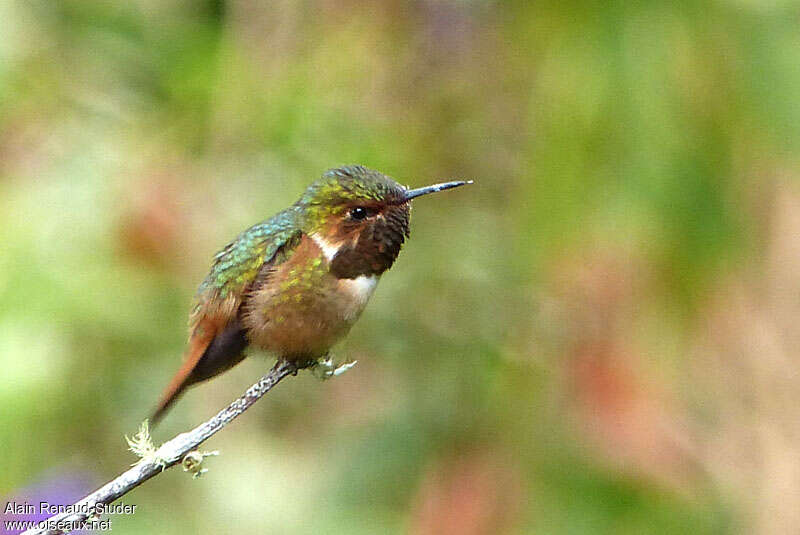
x=294 y=284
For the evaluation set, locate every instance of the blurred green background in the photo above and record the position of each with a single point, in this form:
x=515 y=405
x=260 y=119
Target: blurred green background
x=599 y=336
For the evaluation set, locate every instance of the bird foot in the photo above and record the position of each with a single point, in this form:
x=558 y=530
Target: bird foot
x=325 y=367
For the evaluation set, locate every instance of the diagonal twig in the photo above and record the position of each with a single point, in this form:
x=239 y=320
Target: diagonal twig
x=167 y=456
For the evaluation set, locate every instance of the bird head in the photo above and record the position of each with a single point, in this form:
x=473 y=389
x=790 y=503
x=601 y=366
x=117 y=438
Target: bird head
x=360 y=218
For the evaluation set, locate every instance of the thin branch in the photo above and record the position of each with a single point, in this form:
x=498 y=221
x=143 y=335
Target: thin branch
x=167 y=456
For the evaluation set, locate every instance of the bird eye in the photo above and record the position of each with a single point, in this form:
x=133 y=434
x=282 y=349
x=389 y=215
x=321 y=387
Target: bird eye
x=358 y=213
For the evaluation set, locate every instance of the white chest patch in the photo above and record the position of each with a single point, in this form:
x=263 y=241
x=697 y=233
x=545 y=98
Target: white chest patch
x=328 y=249
x=360 y=288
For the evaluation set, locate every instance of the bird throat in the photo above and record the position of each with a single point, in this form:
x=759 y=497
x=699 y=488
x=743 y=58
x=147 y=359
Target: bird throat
x=367 y=249
x=362 y=257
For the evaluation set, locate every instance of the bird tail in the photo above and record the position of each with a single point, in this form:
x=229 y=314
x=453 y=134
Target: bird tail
x=212 y=350
x=198 y=343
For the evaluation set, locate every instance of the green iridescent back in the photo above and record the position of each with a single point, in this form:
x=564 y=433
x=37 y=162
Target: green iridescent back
x=238 y=264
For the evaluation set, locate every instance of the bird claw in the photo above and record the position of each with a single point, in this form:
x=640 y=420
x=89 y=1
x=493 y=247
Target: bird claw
x=325 y=368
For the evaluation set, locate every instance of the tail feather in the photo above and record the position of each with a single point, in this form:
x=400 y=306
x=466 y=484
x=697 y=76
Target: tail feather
x=212 y=350
x=202 y=337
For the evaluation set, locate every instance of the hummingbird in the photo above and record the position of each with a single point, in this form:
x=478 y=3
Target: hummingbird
x=295 y=284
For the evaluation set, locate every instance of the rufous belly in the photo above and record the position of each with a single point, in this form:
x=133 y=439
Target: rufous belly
x=302 y=309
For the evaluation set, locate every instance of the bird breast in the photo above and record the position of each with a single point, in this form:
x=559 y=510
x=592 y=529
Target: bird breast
x=301 y=308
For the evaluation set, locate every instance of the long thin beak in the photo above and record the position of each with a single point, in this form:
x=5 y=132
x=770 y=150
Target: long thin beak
x=412 y=193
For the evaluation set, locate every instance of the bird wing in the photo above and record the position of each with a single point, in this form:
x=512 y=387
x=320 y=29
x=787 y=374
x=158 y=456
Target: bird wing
x=217 y=340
